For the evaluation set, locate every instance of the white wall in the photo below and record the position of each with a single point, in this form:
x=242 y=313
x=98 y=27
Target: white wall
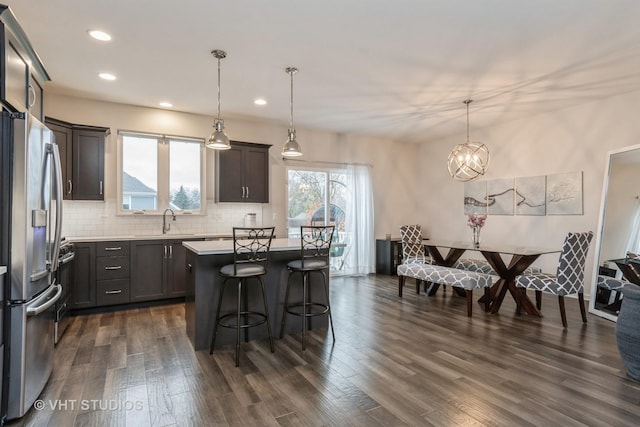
x=411 y=182
x=574 y=139
x=394 y=171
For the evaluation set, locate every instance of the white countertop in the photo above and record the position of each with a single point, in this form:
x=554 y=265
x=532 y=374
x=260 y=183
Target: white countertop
x=213 y=247
x=150 y=237
x=3 y=270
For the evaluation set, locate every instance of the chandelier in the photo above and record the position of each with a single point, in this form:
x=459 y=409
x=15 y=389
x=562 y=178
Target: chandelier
x=469 y=160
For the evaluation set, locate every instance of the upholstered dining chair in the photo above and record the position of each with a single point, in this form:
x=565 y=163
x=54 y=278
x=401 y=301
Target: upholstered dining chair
x=413 y=245
x=413 y=251
x=569 y=278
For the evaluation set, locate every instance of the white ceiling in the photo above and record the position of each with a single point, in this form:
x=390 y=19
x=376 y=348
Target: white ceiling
x=398 y=68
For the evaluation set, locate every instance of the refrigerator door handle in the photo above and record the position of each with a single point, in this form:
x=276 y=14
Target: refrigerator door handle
x=57 y=168
x=39 y=308
x=38 y=275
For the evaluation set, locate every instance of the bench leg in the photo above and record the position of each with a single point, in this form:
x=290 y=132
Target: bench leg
x=418 y=282
x=401 y=280
x=433 y=289
x=469 y=302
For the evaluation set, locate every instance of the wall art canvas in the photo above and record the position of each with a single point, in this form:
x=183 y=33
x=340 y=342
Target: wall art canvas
x=475 y=197
x=500 y=196
x=531 y=195
x=564 y=194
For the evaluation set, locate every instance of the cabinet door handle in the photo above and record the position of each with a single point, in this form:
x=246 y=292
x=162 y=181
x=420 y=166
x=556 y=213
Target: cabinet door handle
x=170 y=251
x=114 y=248
x=117 y=291
x=247 y=192
x=70 y=186
x=165 y=251
x=115 y=267
x=243 y=191
x=32 y=99
x=101 y=188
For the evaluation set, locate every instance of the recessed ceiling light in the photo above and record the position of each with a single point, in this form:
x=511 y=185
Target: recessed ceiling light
x=107 y=76
x=166 y=104
x=99 y=35
x=260 y=101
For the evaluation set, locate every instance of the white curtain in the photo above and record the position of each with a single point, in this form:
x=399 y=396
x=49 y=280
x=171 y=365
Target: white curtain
x=633 y=245
x=360 y=249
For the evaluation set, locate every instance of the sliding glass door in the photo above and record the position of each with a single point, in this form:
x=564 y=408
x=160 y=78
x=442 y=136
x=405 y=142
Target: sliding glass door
x=342 y=197
x=318 y=197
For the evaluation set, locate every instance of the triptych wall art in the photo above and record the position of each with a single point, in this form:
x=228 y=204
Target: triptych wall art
x=557 y=194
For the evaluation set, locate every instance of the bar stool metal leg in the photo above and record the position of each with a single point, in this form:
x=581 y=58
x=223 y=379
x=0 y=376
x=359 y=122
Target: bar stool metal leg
x=239 y=313
x=305 y=278
x=326 y=291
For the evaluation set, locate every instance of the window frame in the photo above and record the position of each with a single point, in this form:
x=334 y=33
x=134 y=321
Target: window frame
x=163 y=178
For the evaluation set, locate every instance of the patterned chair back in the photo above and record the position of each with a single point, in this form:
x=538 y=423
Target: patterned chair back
x=315 y=242
x=570 y=274
x=251 y=246
x=412 y=245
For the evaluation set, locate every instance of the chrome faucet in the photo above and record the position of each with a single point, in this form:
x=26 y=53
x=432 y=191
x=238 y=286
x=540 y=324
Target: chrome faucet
x=167 y=226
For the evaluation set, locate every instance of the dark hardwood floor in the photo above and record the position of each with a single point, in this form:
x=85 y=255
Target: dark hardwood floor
x=397 y=362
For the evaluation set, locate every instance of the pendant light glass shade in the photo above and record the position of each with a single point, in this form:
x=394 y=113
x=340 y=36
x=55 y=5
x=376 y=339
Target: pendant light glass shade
x=291 y=147
x=218 y=140
x=469 y=160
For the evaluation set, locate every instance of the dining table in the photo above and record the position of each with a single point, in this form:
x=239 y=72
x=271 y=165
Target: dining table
x=630 y=268
x=521 y=257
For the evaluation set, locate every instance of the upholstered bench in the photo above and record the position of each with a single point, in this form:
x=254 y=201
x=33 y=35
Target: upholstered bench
x=611 y=283
x=482 y=266
x=468 y=280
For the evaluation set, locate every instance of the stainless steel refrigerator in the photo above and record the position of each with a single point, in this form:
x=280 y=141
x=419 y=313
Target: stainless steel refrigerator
x=32 y=219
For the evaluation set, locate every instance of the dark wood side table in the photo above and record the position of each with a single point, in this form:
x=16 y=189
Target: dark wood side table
x=388 y=255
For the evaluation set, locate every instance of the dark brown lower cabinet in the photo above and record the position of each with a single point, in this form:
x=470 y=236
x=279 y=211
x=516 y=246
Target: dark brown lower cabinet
x=148 y=270
x=158 y=269
x=83 y=294
x=177 y=269
x=109 y=273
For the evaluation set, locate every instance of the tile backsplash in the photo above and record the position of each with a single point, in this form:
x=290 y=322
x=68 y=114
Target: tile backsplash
x=87 y=218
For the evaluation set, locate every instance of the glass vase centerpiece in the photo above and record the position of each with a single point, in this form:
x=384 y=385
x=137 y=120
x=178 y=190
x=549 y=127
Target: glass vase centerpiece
x=476 y=222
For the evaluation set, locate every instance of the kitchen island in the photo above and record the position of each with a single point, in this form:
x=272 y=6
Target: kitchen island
x=204 y=260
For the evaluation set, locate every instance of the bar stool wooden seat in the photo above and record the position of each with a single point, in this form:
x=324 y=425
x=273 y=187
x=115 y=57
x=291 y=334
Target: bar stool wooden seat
x=315 y=247
x=250 y=258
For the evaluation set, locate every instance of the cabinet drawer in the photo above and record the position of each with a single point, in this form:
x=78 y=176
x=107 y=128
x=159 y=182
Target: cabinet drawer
x=112 y=248
x=112 y=267
x=113 y=292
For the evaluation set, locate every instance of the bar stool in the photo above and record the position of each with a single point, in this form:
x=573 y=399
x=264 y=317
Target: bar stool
x=250 y=257
x=315 y=247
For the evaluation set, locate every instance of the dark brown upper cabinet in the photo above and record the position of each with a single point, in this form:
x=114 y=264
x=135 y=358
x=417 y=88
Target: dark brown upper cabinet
x=82 y=157
x=242 y=173
x=22 y=74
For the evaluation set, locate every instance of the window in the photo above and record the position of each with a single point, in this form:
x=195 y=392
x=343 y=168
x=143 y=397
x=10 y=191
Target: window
x=158 y=172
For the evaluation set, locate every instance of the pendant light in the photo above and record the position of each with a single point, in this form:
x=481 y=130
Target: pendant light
x=291 y=147
x=469 y=160
x=218 y=140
